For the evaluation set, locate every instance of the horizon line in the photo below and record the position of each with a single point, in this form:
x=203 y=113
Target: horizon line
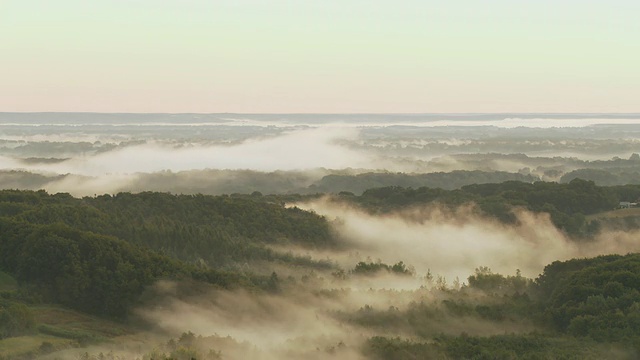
x=318 y=113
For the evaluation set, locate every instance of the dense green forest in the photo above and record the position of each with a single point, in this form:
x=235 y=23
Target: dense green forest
x=568 y=204
x=86 y=271
x=100 y=256
x=221 y=230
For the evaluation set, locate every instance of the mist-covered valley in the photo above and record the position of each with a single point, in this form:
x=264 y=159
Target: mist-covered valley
x=227 y=236
x=87 y=154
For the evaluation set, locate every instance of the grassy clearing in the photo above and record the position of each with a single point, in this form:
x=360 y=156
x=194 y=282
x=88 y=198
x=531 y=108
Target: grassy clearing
x=70 y=322
x=62 y=329
x=23 y=345
x=614 y=214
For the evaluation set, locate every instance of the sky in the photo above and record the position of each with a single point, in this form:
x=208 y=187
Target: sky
x=331 y=56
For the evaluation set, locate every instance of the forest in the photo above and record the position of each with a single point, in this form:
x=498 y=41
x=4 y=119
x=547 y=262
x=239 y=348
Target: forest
x=103 y=256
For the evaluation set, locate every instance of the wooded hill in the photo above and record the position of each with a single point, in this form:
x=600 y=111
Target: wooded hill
x=568 y=204
x=99 y=254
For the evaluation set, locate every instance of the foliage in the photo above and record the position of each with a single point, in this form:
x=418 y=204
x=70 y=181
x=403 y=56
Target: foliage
x=15 y=319
x=444 y=180
x=98 y=254
x=478 y=348
x=485 y=280
x=567 y=204
x=7 y=282
x=597 y=297
x=88 y=272
x=83 y=337
x=220 y=230
x=372 y=268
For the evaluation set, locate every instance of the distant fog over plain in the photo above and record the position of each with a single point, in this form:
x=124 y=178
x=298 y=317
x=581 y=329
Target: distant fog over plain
x=93 y=153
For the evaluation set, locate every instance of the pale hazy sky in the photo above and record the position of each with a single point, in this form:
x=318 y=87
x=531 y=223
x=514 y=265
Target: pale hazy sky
x=325 y=56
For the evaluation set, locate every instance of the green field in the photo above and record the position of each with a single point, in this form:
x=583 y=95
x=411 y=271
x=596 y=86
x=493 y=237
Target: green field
x=61 y=329
x=72 y=324
x=23 y=345
x=618 y=213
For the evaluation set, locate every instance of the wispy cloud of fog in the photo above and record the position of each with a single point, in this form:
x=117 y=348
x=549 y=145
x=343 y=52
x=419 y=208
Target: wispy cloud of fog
x=303 y=149
x=455 y=243
x=245 y=325
x=10 y=163
x=452 y=163
x=299 y=323
x=268 y=321
x=89 y=186
x=423 y=146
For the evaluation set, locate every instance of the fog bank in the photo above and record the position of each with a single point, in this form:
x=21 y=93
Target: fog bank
x=455 y=243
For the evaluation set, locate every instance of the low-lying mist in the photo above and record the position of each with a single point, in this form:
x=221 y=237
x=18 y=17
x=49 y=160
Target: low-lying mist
x=453 y=243
x=304 y=149
x=313 y=319
x=333 y=310
x=94 y=162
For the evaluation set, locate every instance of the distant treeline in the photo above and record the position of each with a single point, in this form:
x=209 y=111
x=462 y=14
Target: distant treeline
x=568 y=204
x=608 y=177
x=444 y=180
x=217 y=182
